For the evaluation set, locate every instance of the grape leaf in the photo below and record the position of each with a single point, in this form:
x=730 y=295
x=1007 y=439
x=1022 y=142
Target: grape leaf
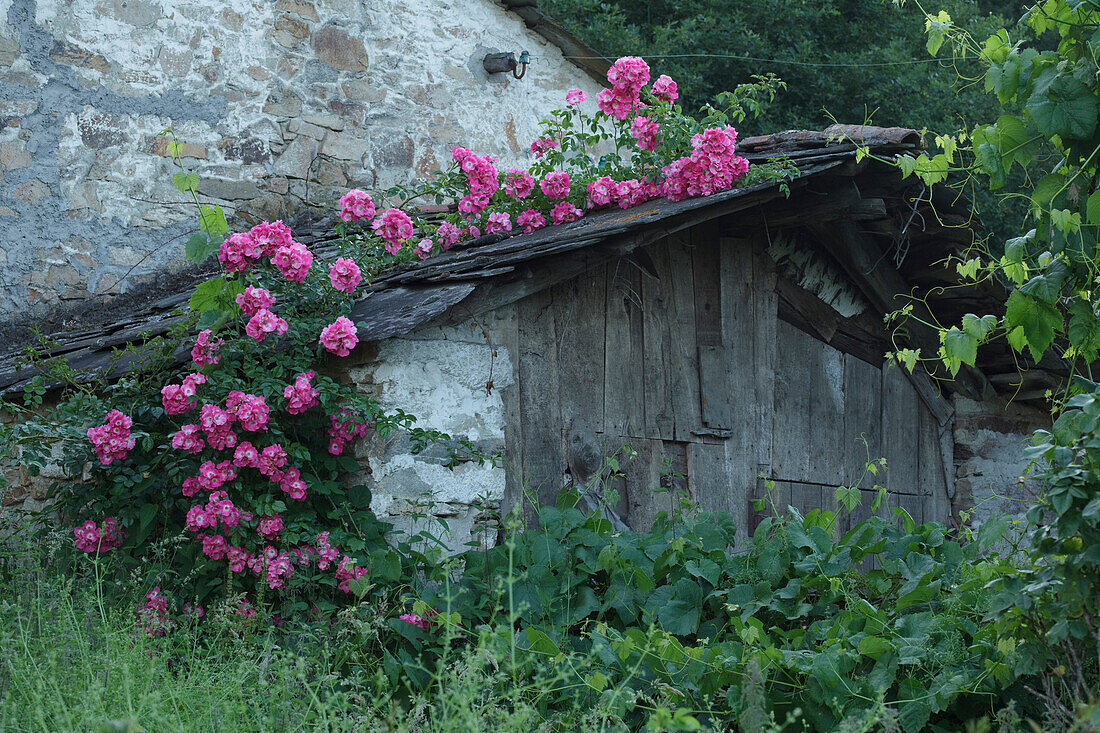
x=959 y=347
x=1039 y=321
x=1063 y=105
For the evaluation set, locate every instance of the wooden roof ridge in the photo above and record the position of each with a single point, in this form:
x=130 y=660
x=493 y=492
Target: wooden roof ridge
x=408 y=296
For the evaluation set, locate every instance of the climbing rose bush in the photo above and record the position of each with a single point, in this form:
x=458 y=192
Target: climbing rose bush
x=632 y=146
x=244 y=452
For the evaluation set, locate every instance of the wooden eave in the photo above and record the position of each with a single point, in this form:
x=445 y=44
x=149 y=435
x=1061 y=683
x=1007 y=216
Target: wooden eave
x=860 y=213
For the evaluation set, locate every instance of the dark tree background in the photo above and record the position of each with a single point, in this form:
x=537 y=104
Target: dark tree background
x=859 y=36
x=879 y=70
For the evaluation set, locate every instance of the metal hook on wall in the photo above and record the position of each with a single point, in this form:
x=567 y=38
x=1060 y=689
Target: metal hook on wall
x=498 y=63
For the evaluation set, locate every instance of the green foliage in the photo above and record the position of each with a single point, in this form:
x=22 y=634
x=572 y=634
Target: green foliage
x=833 y=626
x=1050 y=98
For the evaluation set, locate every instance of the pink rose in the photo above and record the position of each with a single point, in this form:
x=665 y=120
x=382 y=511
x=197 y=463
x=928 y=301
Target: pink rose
x=344 y=275
x=555 y=184
x=339 y=337
x=356 y=205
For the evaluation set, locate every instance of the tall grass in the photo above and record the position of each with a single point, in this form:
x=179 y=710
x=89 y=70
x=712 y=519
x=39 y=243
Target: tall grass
x=73 y=658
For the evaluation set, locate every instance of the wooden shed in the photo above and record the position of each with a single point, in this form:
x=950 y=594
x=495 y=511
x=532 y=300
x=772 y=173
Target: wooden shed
x=730 y=341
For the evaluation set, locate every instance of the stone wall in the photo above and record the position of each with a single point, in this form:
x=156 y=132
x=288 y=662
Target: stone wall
x=990 y=467
x=452 y=380
x=277 y=104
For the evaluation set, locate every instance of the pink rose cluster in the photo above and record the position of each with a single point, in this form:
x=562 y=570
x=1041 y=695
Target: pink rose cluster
x=250 y=410
x=530 y=220
x=152 y=616
x=644 y=131
x=217 y=425
x=348 y=571
x=423 y=250
x=565 y=212
x=712 y=166
x=448 y=235
x=176 y=398
x=205 y=352
x=627 y=76
x=343 y=429
x=394 y=227
x=543 y=145
x=219 y=509
x=481 y=179
x=418 y=621
x=345 y=275
x=211 y=477
x=275 y=566
x=339 y=337
x=301 y=395
x=629 y=193
x=555 y=184
x=253 y=300
x=633 y=192
x=270 y=527
x=293 y=261
x=602 y=192
x=94 y=539
x=575 y=97
x=241 y=250
x=518 y=184
x=112 y=440
x=356 y=205
x=326 y=553
x=265 y=323
x=498 y=223
x=664 y=89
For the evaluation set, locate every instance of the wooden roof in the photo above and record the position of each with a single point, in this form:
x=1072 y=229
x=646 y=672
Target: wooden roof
x=860 y=214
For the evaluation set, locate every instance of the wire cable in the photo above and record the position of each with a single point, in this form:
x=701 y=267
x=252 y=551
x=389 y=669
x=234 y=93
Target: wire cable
x=765 y=61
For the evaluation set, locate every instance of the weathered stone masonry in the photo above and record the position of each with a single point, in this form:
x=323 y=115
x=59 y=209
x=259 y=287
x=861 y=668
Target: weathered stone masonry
x=277 y=104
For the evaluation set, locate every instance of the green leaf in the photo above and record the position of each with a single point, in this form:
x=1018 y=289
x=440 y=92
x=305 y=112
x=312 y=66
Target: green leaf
x=1017 y=338
x=360 y=496
x=1092 y=209
x=907 y=358
x=907 y=163
x=959 y=347
x=937 y=28
x=706 y=569
x=1038 y=320
x=680 y=614
x=848 y=497
x=1065 y=220
x=914 y=705
x=979 y=328
x=1013 y=140
x=1063 y=105
x=215 y=294
x=969 y=269
x=540 y=642
x=874 y=646
x=1046 y=287
x=1045 y=190
x=186 y=181
x=995 y=49
x=212 y=221
x=147 y=515
x=200 y=247
x=992 y=531
x=360 y=586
